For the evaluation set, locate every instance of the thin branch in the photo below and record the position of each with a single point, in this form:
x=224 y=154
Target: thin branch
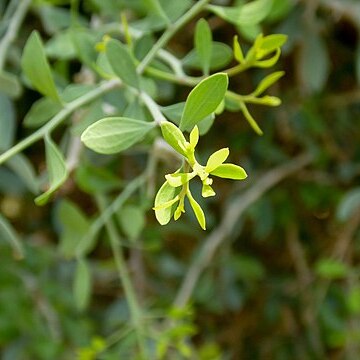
x=230 y=219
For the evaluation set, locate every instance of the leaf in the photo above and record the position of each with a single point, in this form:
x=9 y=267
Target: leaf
x=270 y=43
x=349 y=204
x=40 y=112
x=248 y=14
x=84 y=44
x=221 y=56
x=230 y=171
x=10 y=85
x=174 y=137
x=114 y=134
x=194 y=137
x=36 y=67
x=122 y=63
x=57 y=170
x=207 y=191
x=154 y=7
x=74 y=225
x=179 y=179
x=7 y=122
x=61 y=46
x=216 y=159
x=267 y=82
x=238 y=54
x=197 y=211
x=9 y=234
x=82 y=285
x=331 y=269
x=203 y=100
x=132 y=221
x=203 y=44
x=166 y=193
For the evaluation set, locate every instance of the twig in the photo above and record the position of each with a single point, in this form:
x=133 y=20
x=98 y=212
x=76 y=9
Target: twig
x=13 y=29
x=229 y=220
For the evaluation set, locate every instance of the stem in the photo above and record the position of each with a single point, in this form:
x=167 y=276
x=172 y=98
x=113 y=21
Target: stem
x=59 y=118
x=12 y=30
x=153 y=108
x=168 y=34
x=135 y=310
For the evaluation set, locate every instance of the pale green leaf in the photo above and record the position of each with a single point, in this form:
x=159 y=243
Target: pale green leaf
x=199 y=213
x=166 y=193
x=204 y=99
x=114 y=134
x=8 y=233
x=82 y=284
x=174 y=137
x=132 y=221
x=122 y=63
x=84 y=43
x=238 y=54
x=216 y=159
x=267 y=82
x=203 y=44
x=194 y=137
x=9 y=84
x=74 y=225
x=56 y=168
x=154 y=7
x=61 y=46
x=41 y=111
x=230 y=171
x=7 y=122
x=36 y=67
x=179 y=179
x=207 y=191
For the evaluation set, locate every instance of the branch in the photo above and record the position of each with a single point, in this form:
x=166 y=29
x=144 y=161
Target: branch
x=229 y=220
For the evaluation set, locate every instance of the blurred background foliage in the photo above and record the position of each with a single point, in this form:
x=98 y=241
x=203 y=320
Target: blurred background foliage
x=284 y=283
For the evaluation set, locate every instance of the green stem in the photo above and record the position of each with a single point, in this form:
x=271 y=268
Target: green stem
x=135 y=309
x=13 y=29
x=59 y=118
x=169 y=33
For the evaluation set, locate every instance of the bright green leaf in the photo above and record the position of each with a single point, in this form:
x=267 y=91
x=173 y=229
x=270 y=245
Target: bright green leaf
x=230 y=171
x=267 y=82
x=194 y=137
x=204 y=99
x=57 y=171
x=174 y=137
x=203 y=44
x=82 y=284
x=268 y=62
x=114 y=134
x=197 y=210
x=270 y=43
x=166 y=193
x=216 y=159
x=179 y=179
x=238 y=54
x=36 y=67
x=207 y=191
x=122 y=63
x=132 y=221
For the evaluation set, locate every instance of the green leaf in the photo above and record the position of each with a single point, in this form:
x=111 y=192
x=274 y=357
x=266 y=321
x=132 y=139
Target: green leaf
x=268 y=62
x=207 y=191
x=270 y=43
x=132 y=221
x=36 y=67
x=331 y=269
x=250 y=119
x=216 y=159
x=40 y=112
x=248 y=14
x=154 y=7
x=174 y=137
x=203 y=44
x=203 y=100
x=267 y=82
x=194 y=137
x=179 y=179
x=166 y=193
x=114 y=134
x=74 y=225
x=9 y=234
x=221 y=56
x=122 y=63
x=197 y=210
x=82 y=285
x=61 y=47
x=57 y=170
x=238 y=54
x=7 y=122
x=10 y=85
x=84 y=44
x=230 y=171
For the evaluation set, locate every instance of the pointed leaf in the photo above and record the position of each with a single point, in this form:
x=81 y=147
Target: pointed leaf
x=216 y=159
x=230 y=171
x=203 y=100
x=56 y=170
x=114 y=134
x=203 y=44
x=122 y=63
x=179 y=179
x=82 y=284
x=132 y=221
x=268 y=62
x=207 y=191
x=36 y=67
x=174 y=137
x=267 y=82
x=238 y=54
x=194 y=137
x=197 y=211
x=166 y=193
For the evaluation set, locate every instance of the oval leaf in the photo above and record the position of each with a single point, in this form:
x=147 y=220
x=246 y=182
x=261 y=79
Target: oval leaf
x=40 y=112
x=203 y=100
x=203 y=44
x=166 y=193
x=230 y=171
x=197 y=211
x=174 y=137
x=82 y=285
x=36 y=67
x=114 y=134
x=132 y=221
x=216 y=159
